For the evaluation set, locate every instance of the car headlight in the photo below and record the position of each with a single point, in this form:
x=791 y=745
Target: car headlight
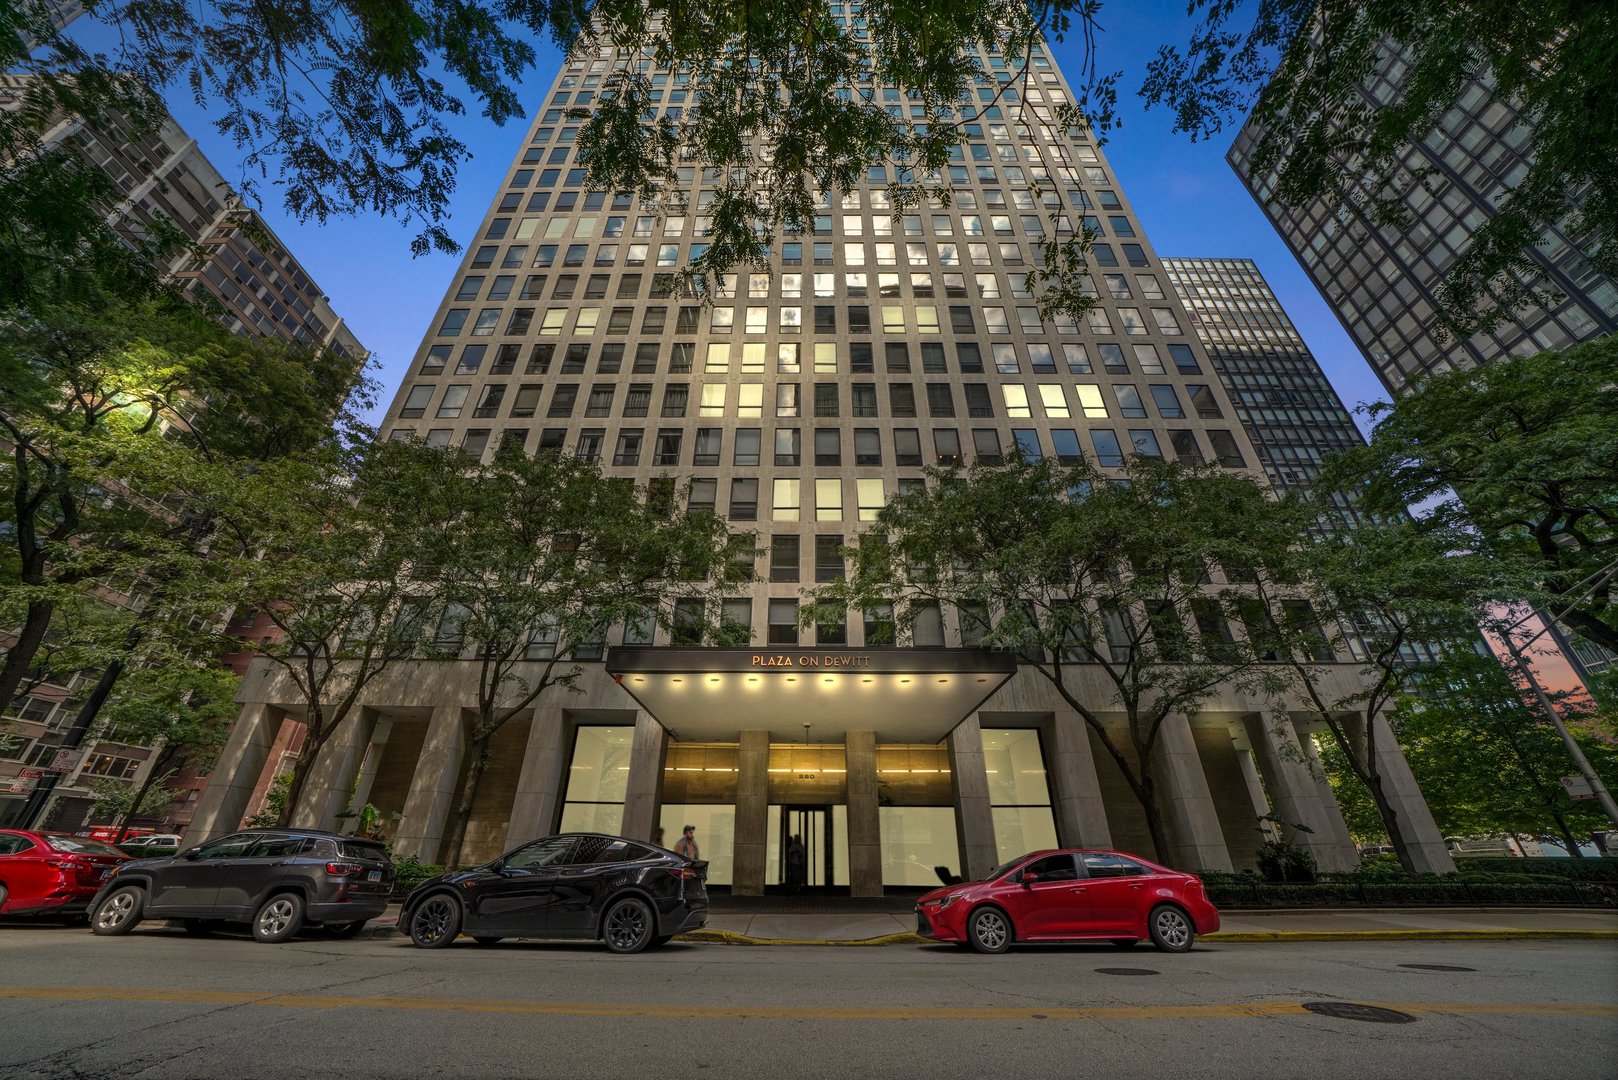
x=946 y=901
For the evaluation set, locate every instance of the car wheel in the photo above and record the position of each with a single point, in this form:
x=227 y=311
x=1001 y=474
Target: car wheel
x=279 y=918
x=120 y=912
x=989 y=930
x=486 y=939
x=1126 y=942
x=436 y=922
x=628 y=926
x=341 y=931
x=1171 y=929
x=200 y=927
x=2 y=898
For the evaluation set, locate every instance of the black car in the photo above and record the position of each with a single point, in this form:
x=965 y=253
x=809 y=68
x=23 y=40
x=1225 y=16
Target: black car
x=279 y=880
x=627 y=893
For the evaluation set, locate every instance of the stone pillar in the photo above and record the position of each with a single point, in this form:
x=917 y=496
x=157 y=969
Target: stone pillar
x=541 y=786
x=1428 y=852
x=643 y=795
x=223 y=802
x=438 y=773
x=372 y=762
x=1187 y=805
x=1080 y=811
x=974 y=819
x=1300 y=794
x=1255 y=787
x=752 y=813
x=864 y=817
x=331 y=781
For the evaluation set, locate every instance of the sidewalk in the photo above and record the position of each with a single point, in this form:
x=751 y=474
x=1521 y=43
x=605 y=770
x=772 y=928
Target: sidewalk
x=1297 y=924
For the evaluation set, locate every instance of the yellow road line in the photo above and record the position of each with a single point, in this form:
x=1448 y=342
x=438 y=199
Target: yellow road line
x=1226 y=1011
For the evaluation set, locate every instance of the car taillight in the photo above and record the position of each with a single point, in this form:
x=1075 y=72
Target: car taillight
x=343 y=869
x=682 y=873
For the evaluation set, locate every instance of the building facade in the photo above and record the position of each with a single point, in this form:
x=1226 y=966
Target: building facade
x=247 y=275
x=797 y=404
x=1381 y=279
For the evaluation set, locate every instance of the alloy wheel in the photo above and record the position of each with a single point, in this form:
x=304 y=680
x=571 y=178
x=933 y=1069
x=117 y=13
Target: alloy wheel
x=991 y=932
x=118 y=912
x=276 y=917
x=628 y=927
x=1171 y=929
x=435 y=923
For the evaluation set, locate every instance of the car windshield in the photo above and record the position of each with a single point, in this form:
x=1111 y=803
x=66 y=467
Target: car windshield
x=78 y=845
x=1005 y=866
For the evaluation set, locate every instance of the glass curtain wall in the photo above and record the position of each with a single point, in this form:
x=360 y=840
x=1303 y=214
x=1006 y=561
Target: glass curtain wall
x=917 y=814
x=1019 y=794
x=699 y=788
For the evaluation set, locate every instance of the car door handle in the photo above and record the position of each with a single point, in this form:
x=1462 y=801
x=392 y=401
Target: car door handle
x=1076 y=888
x=1138 y=885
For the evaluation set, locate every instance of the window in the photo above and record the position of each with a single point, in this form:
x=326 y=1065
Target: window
x=786 y=499
x=871 y=497
x=667 y=452
x=784 y=557
x=1065 y=445
x=828 y=446
x=744 y=499
x=747 y=448
x=986 y=444
x=788 y=446
x=1019 y=794
x=828 y=499
x=783 y=622
x=1225 y=450
x=453 y=401
x=867 y=446
x=1167 y=402
x=1205 y=402
x=1108 y=451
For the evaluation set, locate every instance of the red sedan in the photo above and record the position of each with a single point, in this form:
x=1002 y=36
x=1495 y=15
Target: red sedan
x=52 y=873
x=1070 y=896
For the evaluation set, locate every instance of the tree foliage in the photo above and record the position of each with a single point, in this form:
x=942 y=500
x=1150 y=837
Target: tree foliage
x=534 y=559
x=1077 y=572
x=1304 y=67
x=1523 y=453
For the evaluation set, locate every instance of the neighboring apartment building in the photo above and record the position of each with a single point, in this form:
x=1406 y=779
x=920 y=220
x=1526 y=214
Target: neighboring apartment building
x=797 y=405
x=1381 y=280
x=1281 y=396
x=263 y=290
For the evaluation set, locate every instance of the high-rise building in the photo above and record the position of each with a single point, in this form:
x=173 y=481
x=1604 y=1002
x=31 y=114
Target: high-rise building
x=1278 y=391
x=260 y=289
x=798 y=403
x=1382 y=279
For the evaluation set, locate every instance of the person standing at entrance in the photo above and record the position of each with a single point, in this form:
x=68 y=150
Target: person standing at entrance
x=687 y=844
x=795 y=864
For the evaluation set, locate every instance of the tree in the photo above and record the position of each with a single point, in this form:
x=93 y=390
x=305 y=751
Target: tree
x=1487 y=760
x=1071 y=569
x=121 y=801
x=1303 y=67
x=1524 y=453
x=333 y=549
x=536 y=558
x=1403 y=594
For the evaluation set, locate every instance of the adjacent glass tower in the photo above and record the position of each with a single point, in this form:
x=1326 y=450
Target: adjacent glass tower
x=1381 y=279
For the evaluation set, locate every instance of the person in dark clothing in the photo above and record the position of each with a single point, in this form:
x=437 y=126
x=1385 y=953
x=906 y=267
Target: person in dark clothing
x=796 y=864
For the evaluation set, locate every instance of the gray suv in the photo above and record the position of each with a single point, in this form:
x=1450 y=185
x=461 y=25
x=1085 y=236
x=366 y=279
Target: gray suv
x=279 y=880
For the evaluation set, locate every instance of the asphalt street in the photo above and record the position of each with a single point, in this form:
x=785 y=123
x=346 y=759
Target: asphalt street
x=159 y=1004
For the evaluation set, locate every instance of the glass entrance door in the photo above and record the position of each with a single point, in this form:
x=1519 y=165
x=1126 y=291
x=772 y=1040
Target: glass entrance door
x=805 y=848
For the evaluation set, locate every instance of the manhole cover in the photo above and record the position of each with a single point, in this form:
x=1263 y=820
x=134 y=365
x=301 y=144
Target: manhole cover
x=1348 y=1010
x=1126 y=971
x=1437 y=967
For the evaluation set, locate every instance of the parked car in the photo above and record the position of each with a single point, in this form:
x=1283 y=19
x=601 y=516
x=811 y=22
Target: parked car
x=157 y=843
x=278 y=880
x=1070 y=895
x=52 y=873
x=629 y=894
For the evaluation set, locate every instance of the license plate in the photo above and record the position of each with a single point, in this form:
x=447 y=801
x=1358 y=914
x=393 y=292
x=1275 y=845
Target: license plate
x=374 y=875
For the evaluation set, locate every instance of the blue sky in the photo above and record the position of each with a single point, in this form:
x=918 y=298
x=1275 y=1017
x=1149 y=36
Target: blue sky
x=1187 y=197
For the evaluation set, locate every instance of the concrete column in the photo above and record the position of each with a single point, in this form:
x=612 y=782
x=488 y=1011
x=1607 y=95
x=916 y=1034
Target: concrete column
x=438 y=773
x=1300 y=794
x=864 y=817
x=1081 y=812
x=974 y=819
x=223 y=802
x=752 y=813
x=372 y=761
x=1426 y=844
x=331 y=780
x=1255 y=787
x=643 y=796
x=540 y=786
x=1188 y=806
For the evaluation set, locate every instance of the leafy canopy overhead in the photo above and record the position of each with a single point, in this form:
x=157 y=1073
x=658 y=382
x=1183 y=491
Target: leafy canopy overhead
x=1302 y=68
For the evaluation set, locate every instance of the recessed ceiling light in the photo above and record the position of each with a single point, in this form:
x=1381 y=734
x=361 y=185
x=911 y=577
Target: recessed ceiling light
x=904 y=680
x=676 y=679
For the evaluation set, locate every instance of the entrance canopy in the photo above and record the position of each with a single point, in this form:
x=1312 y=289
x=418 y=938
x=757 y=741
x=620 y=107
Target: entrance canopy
x=904 y=695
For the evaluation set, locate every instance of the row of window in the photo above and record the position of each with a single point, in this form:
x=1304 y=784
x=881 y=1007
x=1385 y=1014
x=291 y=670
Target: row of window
x=666 y=448
x=789 y=400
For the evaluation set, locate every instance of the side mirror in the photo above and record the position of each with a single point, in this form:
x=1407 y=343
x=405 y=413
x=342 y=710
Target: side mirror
x=191 y=854
x=1030 y=876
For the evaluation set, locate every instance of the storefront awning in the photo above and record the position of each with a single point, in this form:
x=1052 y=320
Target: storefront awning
x=904 y=695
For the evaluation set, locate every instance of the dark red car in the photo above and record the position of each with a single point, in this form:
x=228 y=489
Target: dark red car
x=44 y=873
x=1070 y=895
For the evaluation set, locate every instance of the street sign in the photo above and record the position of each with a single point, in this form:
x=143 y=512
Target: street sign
x=30 y=774
x=1578 y=787
x=21 y=785
x=64 y=761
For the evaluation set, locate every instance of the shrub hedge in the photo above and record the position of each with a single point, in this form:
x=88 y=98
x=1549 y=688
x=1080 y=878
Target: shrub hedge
x=1605 y=869
x=1457 y=890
